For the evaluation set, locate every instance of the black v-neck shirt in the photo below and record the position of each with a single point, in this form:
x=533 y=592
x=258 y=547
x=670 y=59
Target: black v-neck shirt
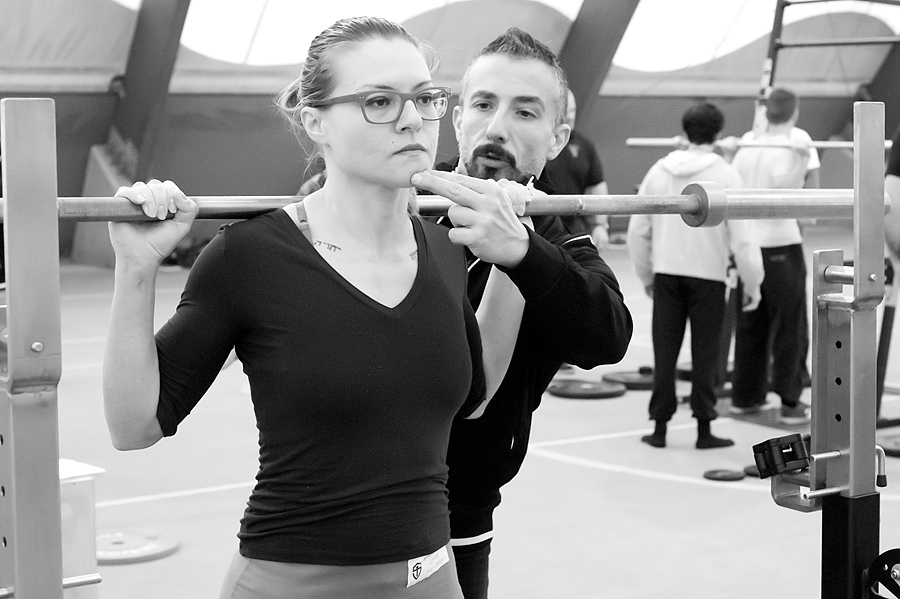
x=353 y=399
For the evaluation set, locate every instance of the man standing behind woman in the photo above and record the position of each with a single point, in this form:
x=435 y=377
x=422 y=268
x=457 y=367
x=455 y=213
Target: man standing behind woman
x=509 y=121
x=776 y=335
x=350 y=317
x=684 y=269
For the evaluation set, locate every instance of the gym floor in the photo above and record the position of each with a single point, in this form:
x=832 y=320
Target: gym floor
x=593 y=513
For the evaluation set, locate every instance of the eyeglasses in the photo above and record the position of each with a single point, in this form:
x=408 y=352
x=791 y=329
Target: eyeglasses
x=385 y=107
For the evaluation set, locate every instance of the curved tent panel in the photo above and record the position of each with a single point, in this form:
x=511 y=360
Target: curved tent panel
x=456 y=30
x=459 y=30
x=63 y=45
x=828 y=71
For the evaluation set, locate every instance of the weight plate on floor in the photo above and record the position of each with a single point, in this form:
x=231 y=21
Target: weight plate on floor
x=577 y=389
x=727 y=475
x=132 y=546
x=752 y=471
x=642 y=380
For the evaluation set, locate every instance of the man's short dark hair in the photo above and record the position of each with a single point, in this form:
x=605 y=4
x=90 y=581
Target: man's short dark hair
x=702 y=123
x=781 y=105
x=518 y=44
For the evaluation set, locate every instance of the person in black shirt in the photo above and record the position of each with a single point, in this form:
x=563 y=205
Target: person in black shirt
x=577 y=171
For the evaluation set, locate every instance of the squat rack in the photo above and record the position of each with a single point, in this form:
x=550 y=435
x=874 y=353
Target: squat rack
x=31 y=361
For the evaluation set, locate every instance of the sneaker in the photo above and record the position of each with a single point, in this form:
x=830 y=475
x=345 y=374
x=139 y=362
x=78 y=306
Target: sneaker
x=754 y=409
x=794 y=415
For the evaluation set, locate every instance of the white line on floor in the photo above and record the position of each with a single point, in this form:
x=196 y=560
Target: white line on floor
x=533 y=448
x=677 y=478
x=551 y=455
x=605 y=436
x=662 y=476
x=173 y=494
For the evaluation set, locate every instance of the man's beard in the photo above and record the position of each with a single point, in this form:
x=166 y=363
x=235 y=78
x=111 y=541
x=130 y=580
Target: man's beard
x=477 y=169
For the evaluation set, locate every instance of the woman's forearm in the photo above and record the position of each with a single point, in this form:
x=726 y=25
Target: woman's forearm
x=130 y=364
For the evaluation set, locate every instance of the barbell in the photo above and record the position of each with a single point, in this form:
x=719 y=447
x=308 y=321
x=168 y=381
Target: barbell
x=700 y=204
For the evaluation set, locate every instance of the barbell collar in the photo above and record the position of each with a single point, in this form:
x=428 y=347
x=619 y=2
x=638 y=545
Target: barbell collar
x=713 y=204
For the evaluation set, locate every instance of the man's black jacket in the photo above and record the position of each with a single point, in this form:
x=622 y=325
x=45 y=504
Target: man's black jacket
x=574 y=313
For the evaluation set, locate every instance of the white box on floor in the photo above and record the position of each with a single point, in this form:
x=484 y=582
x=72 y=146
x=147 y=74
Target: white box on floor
x=79 y=536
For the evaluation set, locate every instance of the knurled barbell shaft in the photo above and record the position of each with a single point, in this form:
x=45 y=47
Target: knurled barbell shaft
x=228 y=207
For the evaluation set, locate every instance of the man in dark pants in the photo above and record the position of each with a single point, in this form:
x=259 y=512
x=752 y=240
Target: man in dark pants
x=684 y=270
x=509 y=122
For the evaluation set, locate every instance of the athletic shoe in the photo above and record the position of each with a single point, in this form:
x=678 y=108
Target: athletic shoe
x=754 y=409
x=796 y=415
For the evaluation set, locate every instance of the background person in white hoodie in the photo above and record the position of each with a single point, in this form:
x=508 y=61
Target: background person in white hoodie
x=684 y=270
x=776 y=335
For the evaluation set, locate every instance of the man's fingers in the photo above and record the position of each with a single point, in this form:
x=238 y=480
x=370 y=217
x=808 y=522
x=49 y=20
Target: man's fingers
x=461 y=189
x=462 y=236
x=517 y=195
x=462 y=216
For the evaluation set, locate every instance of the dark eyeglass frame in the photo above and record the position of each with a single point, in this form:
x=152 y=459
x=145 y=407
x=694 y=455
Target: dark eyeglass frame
x=360 y=99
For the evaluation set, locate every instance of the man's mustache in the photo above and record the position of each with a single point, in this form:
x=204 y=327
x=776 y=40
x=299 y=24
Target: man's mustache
x=494 y=152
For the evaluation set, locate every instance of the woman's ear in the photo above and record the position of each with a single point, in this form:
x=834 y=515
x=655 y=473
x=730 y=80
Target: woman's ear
x=311 y=118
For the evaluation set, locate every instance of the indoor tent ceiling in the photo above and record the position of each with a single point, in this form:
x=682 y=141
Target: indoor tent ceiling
x=246 y=46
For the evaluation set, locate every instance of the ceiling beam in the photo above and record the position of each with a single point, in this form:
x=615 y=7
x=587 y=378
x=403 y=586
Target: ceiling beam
x=593 y=39
x=144 y=88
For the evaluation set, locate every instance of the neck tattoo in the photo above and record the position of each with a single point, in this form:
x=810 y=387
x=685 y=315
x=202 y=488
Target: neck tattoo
x=414 y=255
x=328 y=246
